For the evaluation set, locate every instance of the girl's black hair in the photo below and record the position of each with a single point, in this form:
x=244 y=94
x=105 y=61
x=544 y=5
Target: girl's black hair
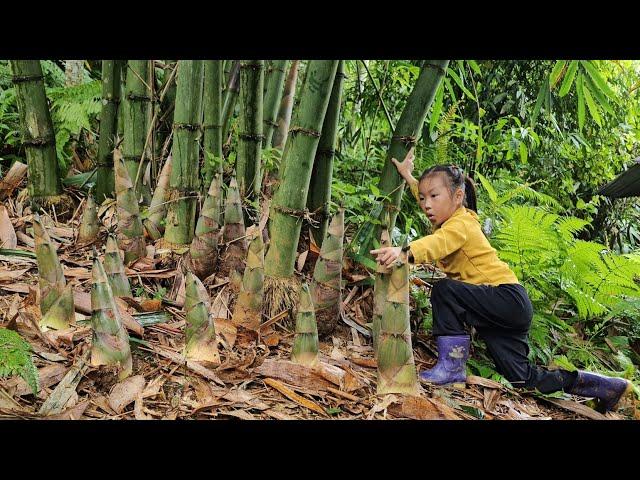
x=457 y=179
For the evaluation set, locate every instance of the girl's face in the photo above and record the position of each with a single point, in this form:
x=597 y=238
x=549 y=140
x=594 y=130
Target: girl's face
x=436 y=199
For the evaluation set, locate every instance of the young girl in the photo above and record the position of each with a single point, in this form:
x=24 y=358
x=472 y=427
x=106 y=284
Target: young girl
x=480 y=291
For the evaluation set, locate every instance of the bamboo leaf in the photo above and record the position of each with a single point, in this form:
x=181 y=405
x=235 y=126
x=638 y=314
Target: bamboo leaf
x=556 y=72
x=474 y=65
x=493 y=195
x=600 y=98
x=458 y=81
x=581 y=111
x=597 y=78
x=593 y=108
x=523 y=152
x=568 y=78
x=542 y=93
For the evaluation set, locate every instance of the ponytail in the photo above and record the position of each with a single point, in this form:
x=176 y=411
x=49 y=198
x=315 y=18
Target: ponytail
x=470 y=199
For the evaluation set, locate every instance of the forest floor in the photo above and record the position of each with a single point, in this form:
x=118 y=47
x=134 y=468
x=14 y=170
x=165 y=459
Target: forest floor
x=255 y=379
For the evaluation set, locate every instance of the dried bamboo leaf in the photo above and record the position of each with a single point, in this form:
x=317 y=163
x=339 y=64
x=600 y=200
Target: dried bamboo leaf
x=8 y=237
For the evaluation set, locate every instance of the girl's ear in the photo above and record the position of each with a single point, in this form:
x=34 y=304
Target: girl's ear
x=459 y=196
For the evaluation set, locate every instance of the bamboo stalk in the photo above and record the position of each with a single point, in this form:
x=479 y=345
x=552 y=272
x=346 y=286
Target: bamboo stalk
x=212 y=102
x=89 y=225
x=305 y=344
x=114 y=269
x=154 y=223
x=396 y=366
x=105 y=182
x=297 y=159
x=38 y=136
x=279 y=136
x=322 y=174
x=56 y=300
x=248 y=309
x=200 y=343
x=273 y=94
x=204 y=246
x=110 y=340
x=250 y=141
x=184 y=181
x=380 y=289
x=326 y=290
x=130 y=232
x=230 y=98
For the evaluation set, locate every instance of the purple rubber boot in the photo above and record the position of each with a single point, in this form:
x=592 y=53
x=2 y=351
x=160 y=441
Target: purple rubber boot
x=453 y=352
x=609 y=390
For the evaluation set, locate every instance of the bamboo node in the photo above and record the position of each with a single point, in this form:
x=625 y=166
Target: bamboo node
x=299 y=214
x=271 y=123
x=306 y=131
x=26 y=78
x=134 y=97
x=210 y=126
x=187 y=126
x=250 y=137
x=39 y=142
x=326 y=151
x=408 y=140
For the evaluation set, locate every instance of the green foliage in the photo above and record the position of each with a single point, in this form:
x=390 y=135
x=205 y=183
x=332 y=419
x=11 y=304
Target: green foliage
x=15 y=359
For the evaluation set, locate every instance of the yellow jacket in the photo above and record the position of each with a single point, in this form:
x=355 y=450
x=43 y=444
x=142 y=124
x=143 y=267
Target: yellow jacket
x=463 y=252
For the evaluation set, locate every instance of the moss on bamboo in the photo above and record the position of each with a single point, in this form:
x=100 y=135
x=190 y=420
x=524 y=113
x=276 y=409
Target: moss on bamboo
x=248 y=308
x=204 y=246
x=89 y=225
x=56 y=298
x=396 y=367
x=130 y=233
x=305 y=343
x=110 y=340
x=327 y=277
x=200 y=342
x=114 y=268
x=154 y=223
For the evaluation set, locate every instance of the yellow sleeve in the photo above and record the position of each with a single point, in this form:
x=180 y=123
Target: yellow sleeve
x=444 y=241
x=414 y=190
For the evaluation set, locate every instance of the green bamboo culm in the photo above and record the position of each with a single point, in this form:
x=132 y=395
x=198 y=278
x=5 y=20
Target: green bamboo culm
x=326 y=287
x=283 y=118
x=274 y=84
x=380 y=288
x=136 y=119
x=212 y=104
x=114 y=269
x=204 y=246
x=184 y=181
x=110 y=340
x=396 y=366
x=129 y=230
x=230 y=99
x=89 y=224
x=322 y=174
x=37 y=132
x=305 y=349
x=405 y=137
x=105 y=182
x=200 y=342
x=248 y=309
x=250 y=137
x=56 y=297
x=297 y=159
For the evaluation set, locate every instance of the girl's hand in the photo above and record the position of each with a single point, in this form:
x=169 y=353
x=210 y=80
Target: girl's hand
x=387 y=255
x=405 y=169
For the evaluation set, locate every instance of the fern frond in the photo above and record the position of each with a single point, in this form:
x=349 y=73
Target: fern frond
x=444 y=127
x=15 y=359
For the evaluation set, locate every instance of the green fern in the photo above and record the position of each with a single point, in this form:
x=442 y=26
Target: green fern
x=444 y=127
x=15 y=359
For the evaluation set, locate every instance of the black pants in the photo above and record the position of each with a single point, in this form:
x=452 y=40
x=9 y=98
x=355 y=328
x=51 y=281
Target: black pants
x=502 y=316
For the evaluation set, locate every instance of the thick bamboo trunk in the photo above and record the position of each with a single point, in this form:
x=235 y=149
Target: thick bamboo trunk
x=56 y=298
x=404 y=138
x=326 y=287
x=283 y=118
x=130 y=231
x=396 y=366
x=136 y=120
x=204 y=246
x=248 y=309
x=380 y=289
x=184 y=182
x=73 y=72
x=322 y=174
x=157 y=212
x=274 y=84
x=105 y=182
x=114 y=269
x=200 y=342
x=291 y=197
x=38 y=136
x=250 y=138
x=212 y=100
x=305 y=344
x=230 y=98
x=110 y=342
